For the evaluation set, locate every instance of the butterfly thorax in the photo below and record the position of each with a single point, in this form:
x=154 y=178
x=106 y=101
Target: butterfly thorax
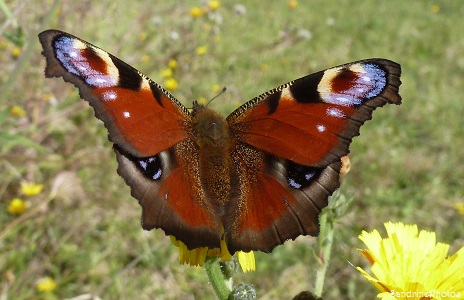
x=213 y=141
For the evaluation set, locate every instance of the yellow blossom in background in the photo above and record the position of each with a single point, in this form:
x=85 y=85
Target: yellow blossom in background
x=171 y=84
x=201 y=50
x=31 y=189
x=17 y=206
x=173 y=64
x=216 y=88
x=143 y=36
x=264 y=67
x=45 y=284
x=166 y=73
x=202 y=100
x=197 y=256
x=16 y=51
x=435 y=8
x=17 y=111
x=460 y=207
x=145 y=58
x=292 y=3
x=196 y=12
x=410 y=265
x=214 y=4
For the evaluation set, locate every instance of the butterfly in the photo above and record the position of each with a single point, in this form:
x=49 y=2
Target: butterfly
x=257 y=178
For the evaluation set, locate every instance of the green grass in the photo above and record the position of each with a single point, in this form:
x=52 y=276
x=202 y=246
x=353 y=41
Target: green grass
x=407 y=164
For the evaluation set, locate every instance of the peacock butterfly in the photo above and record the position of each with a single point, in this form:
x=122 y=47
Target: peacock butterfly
x=257 y=178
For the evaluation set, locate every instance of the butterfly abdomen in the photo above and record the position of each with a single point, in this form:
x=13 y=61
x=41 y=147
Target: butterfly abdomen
x=213 y=139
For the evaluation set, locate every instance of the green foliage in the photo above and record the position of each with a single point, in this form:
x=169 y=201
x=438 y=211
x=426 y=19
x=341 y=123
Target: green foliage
x=83 y=230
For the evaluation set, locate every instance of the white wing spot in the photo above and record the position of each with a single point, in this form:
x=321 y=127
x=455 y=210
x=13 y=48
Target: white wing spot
x=335 y=112
x=109 y=96
x=126 y=114
x=320 y=128
x=73 y=54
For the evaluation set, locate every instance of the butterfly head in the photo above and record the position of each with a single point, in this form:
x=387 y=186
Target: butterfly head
x=210 y=128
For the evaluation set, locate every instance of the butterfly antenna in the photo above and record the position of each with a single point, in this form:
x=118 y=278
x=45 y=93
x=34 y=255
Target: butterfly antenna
x=219 y=94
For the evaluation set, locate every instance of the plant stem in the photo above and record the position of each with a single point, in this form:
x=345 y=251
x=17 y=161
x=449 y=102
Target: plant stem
x=213 y=269
x=325 y=246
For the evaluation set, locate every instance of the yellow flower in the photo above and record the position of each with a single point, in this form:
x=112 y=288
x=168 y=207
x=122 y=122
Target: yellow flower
x=31 y=189
x=460 y=207
x=201 y=50
x=411 y=265
x=16 y=51
x=202 y=100
x=214 y=4
x=216 y=88
x=196 y=12
x=435 y=9
x=45 y=284
x=197 y=256
x=17 y=206
x=171 y=84
x=292 y=3
x=264 y=67
x=166 y=73
x=145 y=58
x=173 y=64
x=17 y=111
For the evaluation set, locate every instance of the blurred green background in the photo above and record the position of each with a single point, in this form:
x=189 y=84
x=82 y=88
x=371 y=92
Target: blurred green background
x=83 y=230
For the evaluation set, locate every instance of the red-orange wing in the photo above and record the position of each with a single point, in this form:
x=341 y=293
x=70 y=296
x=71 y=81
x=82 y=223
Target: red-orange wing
x=297 y=134
x=150 y=130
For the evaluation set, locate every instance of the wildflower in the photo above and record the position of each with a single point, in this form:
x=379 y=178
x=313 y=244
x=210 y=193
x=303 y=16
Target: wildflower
x=292 y=3
x=16 y=207
x=16 y=51
x=202 y=100
x=166 y=73
x=201 y=50
x=240 y=9
x=196 y=12
x=214 y=4
x=143 y=36
x=435 y=9
x=459 y=207
x=216 y=88
x=31 y=189
x=17 y=111
x=145 y=58
x=411 y=265
x=197 y=256
x=264 y=67
x=171 y=84
x=173 y=64
x=45 y=284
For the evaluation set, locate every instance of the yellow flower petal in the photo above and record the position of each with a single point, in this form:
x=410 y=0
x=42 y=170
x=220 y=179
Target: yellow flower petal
x=197 y=256
x=17 y=206
x=408 y=263
x=247 y=261
x=31 y=189
x=45 y=284
x=292 y=3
